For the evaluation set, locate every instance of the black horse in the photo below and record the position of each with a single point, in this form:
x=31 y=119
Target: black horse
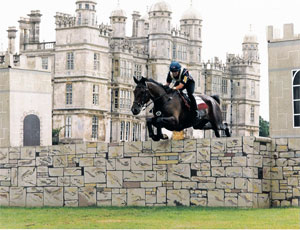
x=170 y=111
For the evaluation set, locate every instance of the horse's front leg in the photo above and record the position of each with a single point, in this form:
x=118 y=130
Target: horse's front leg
x=149 y=126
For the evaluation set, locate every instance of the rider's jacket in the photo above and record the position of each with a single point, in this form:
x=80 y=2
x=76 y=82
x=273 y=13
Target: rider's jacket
x=184 y=78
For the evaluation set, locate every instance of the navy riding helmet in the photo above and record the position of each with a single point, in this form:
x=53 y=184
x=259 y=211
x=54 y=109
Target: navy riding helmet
x=175 y=67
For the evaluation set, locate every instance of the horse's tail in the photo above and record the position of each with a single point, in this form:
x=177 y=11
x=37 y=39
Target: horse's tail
x=217 y=98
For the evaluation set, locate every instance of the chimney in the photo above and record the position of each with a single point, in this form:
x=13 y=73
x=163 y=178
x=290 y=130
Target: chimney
x=12 y=32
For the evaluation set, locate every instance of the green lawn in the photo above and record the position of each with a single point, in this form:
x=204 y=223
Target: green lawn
x=158 y=217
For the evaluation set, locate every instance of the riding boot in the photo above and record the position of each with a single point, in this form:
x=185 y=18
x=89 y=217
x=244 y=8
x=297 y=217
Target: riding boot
x=194 y=108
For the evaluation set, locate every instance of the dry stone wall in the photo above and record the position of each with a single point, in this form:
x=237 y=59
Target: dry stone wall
x=233 y=172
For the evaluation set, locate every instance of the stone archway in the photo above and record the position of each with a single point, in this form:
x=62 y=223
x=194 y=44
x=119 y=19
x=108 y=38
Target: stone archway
x=31 y=132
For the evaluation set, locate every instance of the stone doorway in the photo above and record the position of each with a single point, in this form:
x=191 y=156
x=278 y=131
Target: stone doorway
x=31 y=131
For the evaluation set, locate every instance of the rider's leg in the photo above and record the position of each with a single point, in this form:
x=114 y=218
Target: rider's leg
x=190 y=90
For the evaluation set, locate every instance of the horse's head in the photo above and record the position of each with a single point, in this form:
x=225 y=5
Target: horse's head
x=141 y=95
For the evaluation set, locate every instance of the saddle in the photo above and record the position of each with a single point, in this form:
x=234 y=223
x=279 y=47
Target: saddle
x=201 y=105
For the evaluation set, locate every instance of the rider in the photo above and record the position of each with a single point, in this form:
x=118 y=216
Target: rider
x=183 y=80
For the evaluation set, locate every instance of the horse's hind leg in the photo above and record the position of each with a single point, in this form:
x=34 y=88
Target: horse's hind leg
x=226 y=129
x=150 y=129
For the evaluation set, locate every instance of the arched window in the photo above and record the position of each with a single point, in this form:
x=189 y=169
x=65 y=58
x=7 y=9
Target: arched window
x=296 y=97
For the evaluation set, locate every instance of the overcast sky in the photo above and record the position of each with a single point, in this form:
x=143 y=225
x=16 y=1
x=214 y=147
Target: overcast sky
x=225 y=22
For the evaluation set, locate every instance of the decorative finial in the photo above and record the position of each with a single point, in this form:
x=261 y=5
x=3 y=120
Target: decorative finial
x=118 y=3
x=250 y=27
x=191 y=2
x=147 y=9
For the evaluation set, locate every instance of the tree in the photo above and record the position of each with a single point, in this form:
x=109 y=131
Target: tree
x=263 y=127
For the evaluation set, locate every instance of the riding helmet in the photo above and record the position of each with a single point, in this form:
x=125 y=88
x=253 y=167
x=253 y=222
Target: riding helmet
x=175 y=67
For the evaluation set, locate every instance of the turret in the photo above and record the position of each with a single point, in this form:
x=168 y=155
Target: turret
x=250 y=47
x=85 y=13
x=135 y=16
x=34 y=20
x=160 y=18
x=118 y=21
x=12 y=32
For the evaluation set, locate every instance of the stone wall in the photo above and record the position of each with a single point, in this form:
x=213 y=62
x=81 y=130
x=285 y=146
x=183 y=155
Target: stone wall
x=233 y=172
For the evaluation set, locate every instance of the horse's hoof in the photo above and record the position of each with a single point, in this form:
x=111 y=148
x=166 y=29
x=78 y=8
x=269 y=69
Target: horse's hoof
x=165 y=137
x=155 y=138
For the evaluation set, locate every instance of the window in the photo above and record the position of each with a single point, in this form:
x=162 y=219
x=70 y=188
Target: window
x=216 y=84
x=116 y=99
x=199 y=33
x=199 y=55
x=95 y=95
x=169 y=25
x=45 y=63
x=68 y=127
x=70 y=61
x=174 y=51
x=93 y=7
x=122 y=98
x=224 y=86
x=93 y=19
x=224 y=112
x=136 y=132
x=87 y=6
x=122 y=130
x=95 y=127
x=127 y=131
x=79 y=19
x=96 y=61
x=69 y=94
x=137 y=70
x=252 y=114
x=252 y=88
x=80 y=6
x=184 y=56
x=296 y=98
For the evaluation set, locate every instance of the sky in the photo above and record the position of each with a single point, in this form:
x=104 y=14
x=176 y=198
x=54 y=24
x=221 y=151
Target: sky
x=224 y=25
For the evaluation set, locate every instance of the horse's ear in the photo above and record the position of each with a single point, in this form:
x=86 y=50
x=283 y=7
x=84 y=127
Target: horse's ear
x=136 y=80
x=143 y=80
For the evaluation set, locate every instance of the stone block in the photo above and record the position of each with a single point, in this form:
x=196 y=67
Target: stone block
x=294 y=144
x=295 y=202
x=234 y=142
x=150 y=198
x=53 y=196
x=17 y=197
x=250 y=172
x=180 y=172
x=263 y=201
x=122 y=164
x=254 y=160
x=190 y=145
x=132 y=184
x=64 y=181
x=266 y=185
x=87 y=196
x=161 y=195
x=4 y=156
x=177 y=145
x=296 y=192
x=72 y=171
x=241 y=183
x=275 y=185
x=141 y=163
x=178 y=197
x=278 y=196
x=35 y=200
x=189 y=185
x=104 y=195
x=86 y=162
x=133 y=147
x=282 y=162
x=71 y=193
x=28 y=153
x=216 y=198
x=199 y=201
x=115 y=151
x=218 y=145
x=136 y=197
x=99 y=162
x=187 y=157
x=208 y=186
x=161 y=176
x=27 y=176
x=225 y=183
x=234 y=172
x=216 y=163
x=14 y=177
x=44 y=161
x=71 y=203
x=276 y=173
x=26 y=163
x=281 y=148
x=111 y=164
x=281 y=141
x=4 y=198
x=239 y=161
x=254 y=186
x=119 y=200
x=203 y=155
x=46 y=182
x=80 y=148
x=245 y=200
x=150 y=176
x=134 y=175
x=102 y=147
x=94 y=175
x=68 y=149
x=77 y=181
x=114 y=179
x=286 y=154
x=5 y=175
x=151 y=184
x=231 y=202
x=60 y=161
x=56 y=172
x=161 y=146
x=293 y=181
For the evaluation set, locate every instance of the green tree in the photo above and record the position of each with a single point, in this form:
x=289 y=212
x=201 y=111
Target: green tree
x=263 y=127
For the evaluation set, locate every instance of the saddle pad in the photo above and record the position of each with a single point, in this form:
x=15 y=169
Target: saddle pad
x=200 y=103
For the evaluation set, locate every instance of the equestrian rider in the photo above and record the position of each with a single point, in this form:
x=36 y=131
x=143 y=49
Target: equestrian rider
x=183 y=80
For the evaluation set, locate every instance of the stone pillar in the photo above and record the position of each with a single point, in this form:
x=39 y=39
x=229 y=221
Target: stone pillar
x=35 y=20
x=12 y=31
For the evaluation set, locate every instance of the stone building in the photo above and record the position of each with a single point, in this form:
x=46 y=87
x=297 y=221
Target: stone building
x=284 y=82
x=92 y=65
x=25 y=99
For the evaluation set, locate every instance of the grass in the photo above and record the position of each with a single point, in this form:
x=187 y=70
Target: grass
x=146 y=218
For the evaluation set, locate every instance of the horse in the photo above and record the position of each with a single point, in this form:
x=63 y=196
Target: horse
x=170 y=111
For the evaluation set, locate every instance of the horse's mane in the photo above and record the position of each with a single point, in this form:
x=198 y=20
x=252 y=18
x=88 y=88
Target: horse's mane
x=155 y=82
